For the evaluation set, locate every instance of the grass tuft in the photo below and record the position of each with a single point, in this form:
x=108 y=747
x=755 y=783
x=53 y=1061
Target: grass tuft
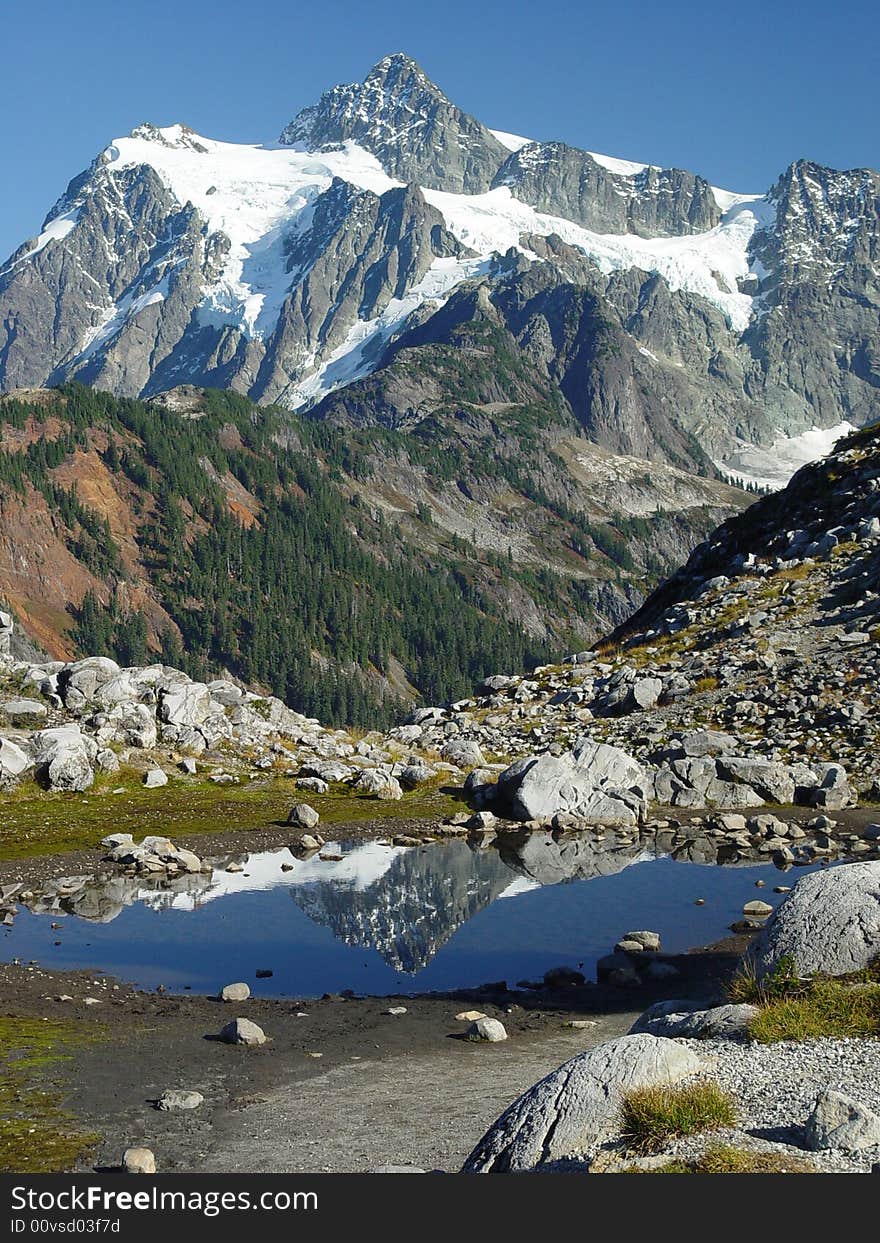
x=727 y=1159
x=652 y=1116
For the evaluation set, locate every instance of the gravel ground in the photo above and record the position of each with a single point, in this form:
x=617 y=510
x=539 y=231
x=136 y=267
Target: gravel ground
x=776 y=1087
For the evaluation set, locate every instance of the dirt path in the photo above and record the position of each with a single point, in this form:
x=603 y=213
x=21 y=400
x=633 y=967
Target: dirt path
x=426 y=1110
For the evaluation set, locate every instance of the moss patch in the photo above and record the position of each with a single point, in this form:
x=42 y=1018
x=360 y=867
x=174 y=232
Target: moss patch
x=39 y=823
x=37 y=1135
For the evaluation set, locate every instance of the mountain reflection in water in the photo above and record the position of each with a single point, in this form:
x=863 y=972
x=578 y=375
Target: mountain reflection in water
x=428 y=916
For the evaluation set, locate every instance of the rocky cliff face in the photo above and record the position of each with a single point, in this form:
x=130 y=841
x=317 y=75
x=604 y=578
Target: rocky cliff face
x=665 y=312
x=653 y=202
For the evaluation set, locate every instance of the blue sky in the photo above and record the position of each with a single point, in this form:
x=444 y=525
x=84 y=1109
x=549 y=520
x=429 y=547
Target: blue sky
x=729 y=90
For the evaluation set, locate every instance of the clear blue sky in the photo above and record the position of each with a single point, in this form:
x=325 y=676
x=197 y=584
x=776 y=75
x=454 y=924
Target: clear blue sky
x=734 y=91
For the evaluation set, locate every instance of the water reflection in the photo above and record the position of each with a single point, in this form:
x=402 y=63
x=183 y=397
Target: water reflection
x=451 y=913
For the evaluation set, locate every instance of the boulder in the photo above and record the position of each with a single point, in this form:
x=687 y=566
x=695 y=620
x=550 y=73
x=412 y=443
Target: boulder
x=838 y=1121
x=7 y=626
x=703 y=742
x=155 y=778
x=829 y=923
x=575 y=1109
x=304 y=816
x=174 y=1098
x=23 y=711
x=757 y=909
x=235 y=992
x=770 y=780
x=643 y=693
x=79 y=682
x=594 y=781
x=188 y=703
x=13 y=760
x=63 y=757
x=486 y=1029
x=463 y=753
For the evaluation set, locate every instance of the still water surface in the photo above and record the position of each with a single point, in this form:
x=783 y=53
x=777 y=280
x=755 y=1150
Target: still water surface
x=387 y=919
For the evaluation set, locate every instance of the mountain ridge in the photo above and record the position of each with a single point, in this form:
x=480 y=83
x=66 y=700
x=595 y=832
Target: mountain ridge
x=219 y=242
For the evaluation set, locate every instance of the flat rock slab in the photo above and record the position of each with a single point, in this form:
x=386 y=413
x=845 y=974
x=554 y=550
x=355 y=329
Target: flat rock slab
x=576 y=1108
x=676 y=1019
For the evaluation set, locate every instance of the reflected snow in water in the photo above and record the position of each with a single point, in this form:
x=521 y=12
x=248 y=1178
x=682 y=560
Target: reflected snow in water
x=385 y=919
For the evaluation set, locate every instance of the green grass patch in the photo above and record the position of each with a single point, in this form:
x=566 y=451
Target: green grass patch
x=826 y=1008
x=652 y=1116
x=35 y=823
x=37 y=1135
x=728 y=1159
x=792 y=1008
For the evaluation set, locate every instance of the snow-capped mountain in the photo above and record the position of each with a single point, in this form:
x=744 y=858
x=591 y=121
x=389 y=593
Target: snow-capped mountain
x=677 y=320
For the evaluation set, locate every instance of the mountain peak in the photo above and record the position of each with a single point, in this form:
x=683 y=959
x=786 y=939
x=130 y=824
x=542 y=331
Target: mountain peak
x=403 y=118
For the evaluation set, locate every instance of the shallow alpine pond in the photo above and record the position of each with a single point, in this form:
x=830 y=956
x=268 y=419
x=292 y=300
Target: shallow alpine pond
x=383 y=919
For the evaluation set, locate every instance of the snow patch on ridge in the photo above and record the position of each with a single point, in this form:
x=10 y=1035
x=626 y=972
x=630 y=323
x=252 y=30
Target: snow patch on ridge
x=513 y=142
x=773 y=468
x=366 y=339
x=55 y=230
x=254 y=196
x=623 y=168
x=495 y=221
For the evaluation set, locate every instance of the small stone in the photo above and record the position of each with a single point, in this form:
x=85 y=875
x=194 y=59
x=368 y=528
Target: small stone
x=174 y=1098
x=235 y=992
x=757 y=909
x=395 y=1010
x=307 y=842
x=303 y=815
x=234 y=867
x=264 y=973
x=646 y=940
x=578 y=1024
x=486 y=1030
x=138 y=1161
x=470 y=1016
x=155 y=778
x=243 y=1031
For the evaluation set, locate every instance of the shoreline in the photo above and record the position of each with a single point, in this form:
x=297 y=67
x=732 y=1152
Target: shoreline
x=386 y=1089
